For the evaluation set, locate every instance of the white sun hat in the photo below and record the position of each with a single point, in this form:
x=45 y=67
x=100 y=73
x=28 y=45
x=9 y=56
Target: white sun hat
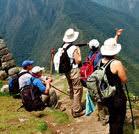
x=37 y=69
x=70 y=35
x=110 y=47
x=93 y=43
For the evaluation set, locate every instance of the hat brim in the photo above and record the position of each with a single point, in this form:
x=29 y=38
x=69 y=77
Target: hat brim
x=42 y=68
x=28 y=63
x=115 y=51
x=31 y=62
x=76 y=34
x=37 y=71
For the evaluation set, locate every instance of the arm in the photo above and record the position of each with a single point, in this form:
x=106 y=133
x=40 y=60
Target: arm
x=77 y=56
x=44 y=88
x=48 y=85
x=118 y=34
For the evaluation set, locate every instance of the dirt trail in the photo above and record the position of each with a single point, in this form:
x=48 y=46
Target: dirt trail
x=82 y=125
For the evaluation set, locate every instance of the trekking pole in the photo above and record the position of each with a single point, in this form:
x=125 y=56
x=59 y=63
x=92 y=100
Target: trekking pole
x=60 y=90
x=133 y=125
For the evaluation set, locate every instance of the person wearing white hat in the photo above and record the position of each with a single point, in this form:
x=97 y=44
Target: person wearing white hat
x=94 y=46
x=91 y=60
x=44 y=86
x=73 y=76
x=116 y=76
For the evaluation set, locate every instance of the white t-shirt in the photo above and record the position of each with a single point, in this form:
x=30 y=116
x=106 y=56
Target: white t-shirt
x=70 y=52
x=24 y=79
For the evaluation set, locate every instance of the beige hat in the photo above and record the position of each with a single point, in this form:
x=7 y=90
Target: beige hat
x=110 y=47
x=37 y=69
x=93 y=43
x=70 y=35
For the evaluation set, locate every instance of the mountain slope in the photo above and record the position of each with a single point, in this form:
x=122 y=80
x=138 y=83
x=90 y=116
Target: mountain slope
x=126 y=6
x=31 y=28
x=29 y=25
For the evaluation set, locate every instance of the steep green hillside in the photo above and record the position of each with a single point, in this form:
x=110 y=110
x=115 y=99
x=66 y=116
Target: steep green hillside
x=31 y=28
x=31 y=25
x=126 y=6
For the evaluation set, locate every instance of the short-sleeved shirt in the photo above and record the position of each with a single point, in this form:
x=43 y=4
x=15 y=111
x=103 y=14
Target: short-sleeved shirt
x=38 y=83
x=24 y=80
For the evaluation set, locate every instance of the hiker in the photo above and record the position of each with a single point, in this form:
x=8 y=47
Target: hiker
x=91 y=61
x=116 y=75
x=94 y=46
x=43 y=85
x=73 y=76
x=27 y=66
x=18 y=79
x=103 y=114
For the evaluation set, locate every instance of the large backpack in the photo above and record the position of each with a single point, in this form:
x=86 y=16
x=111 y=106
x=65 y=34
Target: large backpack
x=14 y=83
x=31 y=98
x=62 y=61
x=88 y=67
x=98 y=84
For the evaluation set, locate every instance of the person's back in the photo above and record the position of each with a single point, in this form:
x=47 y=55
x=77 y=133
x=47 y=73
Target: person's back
x=116 y=75
x=94 y=46
x=25 y=78
x=91 y=61
x=73 y=76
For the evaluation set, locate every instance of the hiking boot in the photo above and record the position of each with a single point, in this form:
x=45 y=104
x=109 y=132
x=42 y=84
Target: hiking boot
x=77 y=114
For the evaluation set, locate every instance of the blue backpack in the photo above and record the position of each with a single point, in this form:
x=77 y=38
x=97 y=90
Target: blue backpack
x=14 y=84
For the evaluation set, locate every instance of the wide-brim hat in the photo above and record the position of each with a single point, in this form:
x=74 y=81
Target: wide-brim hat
x=37 y=69
x=110 y=47
x=70 y=35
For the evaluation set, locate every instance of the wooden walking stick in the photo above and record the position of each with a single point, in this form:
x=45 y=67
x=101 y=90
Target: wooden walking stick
x=51 y=60
x=59 y=90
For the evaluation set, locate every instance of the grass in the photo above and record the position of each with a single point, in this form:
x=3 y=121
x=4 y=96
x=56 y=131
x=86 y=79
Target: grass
x=42 y=126
x=128 y=129
x=59 y=117
x=25 y=122
x=1 y=84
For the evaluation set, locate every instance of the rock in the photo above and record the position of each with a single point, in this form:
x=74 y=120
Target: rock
x=22 y=120
x=8 y=64
x=6 y=57
x=3 y=75
x=58 y=131
x=5 y=89
x=2 y=44
x=13 y=71
x=4 y=51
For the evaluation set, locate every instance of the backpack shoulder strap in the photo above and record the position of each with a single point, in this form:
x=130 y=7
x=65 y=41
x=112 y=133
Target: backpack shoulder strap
x=20 y=74
x=108 y=63
x=94 y=56
x=68 y=47
x=98 y=64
